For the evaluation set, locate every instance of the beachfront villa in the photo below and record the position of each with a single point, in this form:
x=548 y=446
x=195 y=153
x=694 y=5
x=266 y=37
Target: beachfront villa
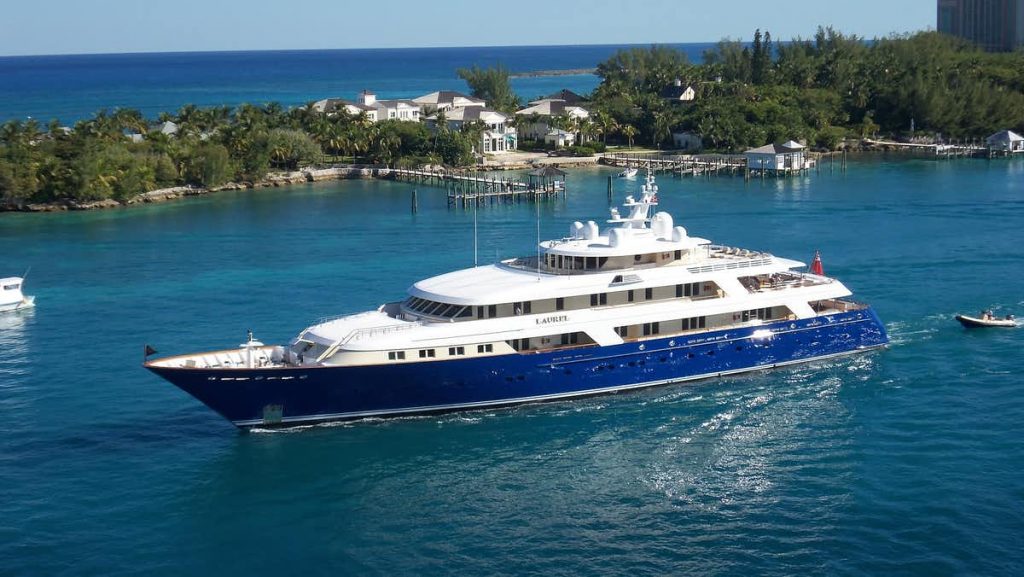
x=1005 y=141
x=498 y=136
x=447 y=100
x=784 y=157
x=536 y=119
x=375 y=110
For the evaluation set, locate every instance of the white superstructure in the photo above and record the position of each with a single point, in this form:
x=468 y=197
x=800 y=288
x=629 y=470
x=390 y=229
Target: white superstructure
x=642 y=277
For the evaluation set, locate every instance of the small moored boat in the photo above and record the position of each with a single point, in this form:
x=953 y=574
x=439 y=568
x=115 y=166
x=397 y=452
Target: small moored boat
x=628 y=173
x=986 y=320
x=11 y=297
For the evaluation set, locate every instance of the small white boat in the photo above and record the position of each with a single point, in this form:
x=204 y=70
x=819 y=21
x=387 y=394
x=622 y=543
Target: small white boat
x=629 y=173
x=986 y=320
x=11 y=298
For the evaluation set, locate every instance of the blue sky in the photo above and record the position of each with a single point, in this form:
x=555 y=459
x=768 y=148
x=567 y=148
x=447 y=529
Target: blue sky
x=100 y=26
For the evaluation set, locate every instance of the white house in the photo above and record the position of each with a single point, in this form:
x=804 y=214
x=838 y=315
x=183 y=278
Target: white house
x=679 y=92
x=376 y=110
x=1006 y=141
x=545 y=109
x=447 y=100
x=788 y=156
x=560 y=138
x=498 y=135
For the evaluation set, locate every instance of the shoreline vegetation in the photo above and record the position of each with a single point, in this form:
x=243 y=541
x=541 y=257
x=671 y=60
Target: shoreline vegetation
x=828 y=92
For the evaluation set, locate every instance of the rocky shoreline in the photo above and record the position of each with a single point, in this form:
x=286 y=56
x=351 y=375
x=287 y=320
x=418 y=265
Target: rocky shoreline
x=279 y=179
x=165 y=194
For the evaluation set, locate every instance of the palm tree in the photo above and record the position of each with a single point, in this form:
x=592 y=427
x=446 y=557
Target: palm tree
x=440 y=125
x=606 y=123
x=661 y=128
x=129 y=119
x=629 y=131
x=188 y=119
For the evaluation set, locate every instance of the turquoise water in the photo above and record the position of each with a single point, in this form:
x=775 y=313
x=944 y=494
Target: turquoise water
x=903 y=462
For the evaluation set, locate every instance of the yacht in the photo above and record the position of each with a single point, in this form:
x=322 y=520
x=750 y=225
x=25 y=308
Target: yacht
x=11 y=297
x=638 y=304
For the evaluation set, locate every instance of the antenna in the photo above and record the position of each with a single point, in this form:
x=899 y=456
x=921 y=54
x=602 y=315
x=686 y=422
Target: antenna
x=25 y=276
x=536 y=201
x=476 y=261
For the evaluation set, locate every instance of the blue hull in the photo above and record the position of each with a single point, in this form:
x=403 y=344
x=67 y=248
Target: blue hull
x=287 y=396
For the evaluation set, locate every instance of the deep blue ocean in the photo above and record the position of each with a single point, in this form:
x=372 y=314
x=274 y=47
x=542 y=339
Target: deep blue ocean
x=902 y=462
x=71 y=88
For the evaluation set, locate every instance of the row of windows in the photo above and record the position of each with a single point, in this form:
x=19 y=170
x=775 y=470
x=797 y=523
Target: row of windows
x=443 y=310
x=763 y=314
x=432 y=353
x=549 y=341
x=564 y=262
x=432 y=308
x=647 y=329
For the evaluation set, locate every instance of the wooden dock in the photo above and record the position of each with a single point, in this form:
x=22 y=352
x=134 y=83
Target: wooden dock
x=465 y=188
x=936 y=150
x=709 y=164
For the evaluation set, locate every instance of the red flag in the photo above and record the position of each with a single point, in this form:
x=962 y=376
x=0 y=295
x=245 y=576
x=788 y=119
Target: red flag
x=816 y=267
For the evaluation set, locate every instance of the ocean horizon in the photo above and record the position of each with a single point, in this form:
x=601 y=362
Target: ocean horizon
x=75 y=87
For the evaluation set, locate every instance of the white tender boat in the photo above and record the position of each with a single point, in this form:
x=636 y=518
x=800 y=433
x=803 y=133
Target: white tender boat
x=11 y=297
x=986 y=320
x=629 y=173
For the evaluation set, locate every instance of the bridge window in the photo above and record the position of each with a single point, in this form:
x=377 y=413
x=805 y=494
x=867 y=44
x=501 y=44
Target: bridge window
x=488 y=348
x=396 y=355
x=427 y=353
x=456 y=351
x=560 y=304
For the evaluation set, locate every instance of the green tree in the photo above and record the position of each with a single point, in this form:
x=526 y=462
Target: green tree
x=209 y=165
x=491 y=85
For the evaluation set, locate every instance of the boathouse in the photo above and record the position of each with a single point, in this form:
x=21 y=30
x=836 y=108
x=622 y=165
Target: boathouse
x=787 y=157
x=1005 y=141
